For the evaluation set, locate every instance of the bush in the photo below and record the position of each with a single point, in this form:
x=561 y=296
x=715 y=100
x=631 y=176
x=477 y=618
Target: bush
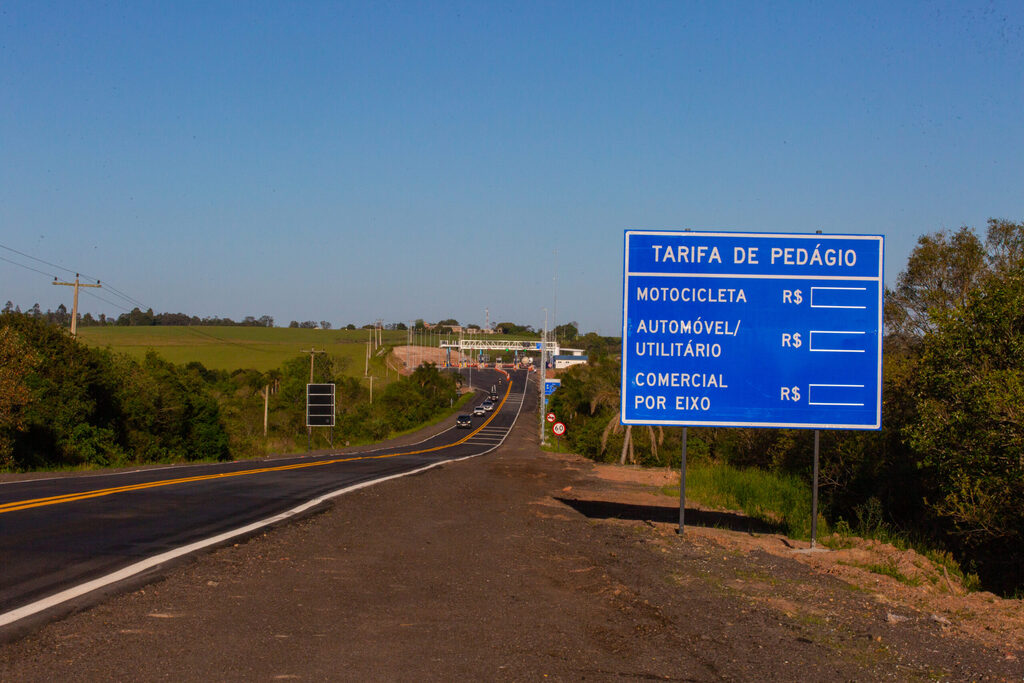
x=89 y=407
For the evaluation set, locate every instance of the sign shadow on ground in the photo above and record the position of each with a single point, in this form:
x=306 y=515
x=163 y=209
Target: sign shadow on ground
x=605 y=509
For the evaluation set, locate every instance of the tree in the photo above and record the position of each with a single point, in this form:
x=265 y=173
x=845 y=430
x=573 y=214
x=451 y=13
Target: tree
x=1005 y=244
x=325 y=325
x=16 y=361
x=136 y=317
x=971 y=410
x=513 y=328
x=568 y=331
x=969 y=433
x=448 y=322
x=942 y=271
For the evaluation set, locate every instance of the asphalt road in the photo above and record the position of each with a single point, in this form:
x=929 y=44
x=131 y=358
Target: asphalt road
x=66 y=539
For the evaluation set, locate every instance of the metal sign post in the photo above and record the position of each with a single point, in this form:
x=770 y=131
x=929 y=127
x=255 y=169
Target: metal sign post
x=752 y=330
x=814 y=493
x=682 y=488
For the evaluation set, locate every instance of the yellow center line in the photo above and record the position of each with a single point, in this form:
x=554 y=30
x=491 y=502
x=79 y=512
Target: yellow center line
x=98 y=493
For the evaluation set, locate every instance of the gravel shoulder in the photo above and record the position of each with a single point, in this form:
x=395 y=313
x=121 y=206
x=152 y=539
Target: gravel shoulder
x=522 y=565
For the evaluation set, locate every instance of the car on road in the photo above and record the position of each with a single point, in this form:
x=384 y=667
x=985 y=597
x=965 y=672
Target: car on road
x=479 y=410
x=488 y=406
x=464 y=421
x=493 y=397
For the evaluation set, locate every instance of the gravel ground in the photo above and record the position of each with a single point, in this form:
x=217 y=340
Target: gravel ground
x=518 y=565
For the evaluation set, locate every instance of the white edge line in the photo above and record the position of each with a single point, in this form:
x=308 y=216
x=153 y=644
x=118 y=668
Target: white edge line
x=8 y=618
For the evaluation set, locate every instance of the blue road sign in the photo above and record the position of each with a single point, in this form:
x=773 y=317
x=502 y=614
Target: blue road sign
x=752 y=330
x=551 y=385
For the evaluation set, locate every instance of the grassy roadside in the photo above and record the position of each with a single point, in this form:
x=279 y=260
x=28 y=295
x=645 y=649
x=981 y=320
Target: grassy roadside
x=786 y=500
x=765 y=496
x=440 y=417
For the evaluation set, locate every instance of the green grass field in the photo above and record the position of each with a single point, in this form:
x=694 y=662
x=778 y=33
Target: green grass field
x=233 y=348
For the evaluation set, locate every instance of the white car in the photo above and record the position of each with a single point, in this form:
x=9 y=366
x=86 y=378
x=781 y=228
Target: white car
x=488 y=406
x=479 y=410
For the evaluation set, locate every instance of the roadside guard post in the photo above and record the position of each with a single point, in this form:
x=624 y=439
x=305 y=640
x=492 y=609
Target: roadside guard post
x=320 y=407
x=751 y=330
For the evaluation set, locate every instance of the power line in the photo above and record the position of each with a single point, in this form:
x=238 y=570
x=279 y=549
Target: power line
x=35 y=270
x=126 y=297
x=27 y=267
x=114 y=290
x=115 y=305
x=52 y=265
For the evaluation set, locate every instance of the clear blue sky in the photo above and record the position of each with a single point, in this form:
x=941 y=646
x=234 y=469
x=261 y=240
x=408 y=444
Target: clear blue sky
x=349 y=161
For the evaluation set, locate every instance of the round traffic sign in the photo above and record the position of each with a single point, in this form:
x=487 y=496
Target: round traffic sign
x=558 y=428
x=551 y=417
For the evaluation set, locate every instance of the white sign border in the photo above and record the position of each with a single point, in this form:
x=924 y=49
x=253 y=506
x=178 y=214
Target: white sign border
x=777 y=235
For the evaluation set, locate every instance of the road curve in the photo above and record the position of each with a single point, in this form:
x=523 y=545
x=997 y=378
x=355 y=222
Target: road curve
x=63 y=539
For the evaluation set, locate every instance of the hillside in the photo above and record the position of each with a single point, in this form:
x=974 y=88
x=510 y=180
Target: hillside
x=234 y=348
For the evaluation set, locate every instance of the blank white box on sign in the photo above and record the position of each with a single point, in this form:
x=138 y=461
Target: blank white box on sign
x=838 y=341
x=835 y=394
x=840 y=297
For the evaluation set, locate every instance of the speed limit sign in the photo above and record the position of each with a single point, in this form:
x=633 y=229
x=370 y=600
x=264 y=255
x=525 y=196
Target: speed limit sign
x=551 y=417
x=558 y=428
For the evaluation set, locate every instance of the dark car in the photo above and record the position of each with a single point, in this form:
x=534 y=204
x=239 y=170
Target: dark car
x=464 y=421
x=493 y=398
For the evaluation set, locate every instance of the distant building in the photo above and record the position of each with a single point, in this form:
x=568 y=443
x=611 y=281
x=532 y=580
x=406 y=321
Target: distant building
x=562 y=362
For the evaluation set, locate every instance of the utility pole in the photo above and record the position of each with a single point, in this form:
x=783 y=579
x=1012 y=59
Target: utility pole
x=543 y=378
x=366 y=369
x=266 y=407
x=74 y=308
x=554 y=313
x=312 y=354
